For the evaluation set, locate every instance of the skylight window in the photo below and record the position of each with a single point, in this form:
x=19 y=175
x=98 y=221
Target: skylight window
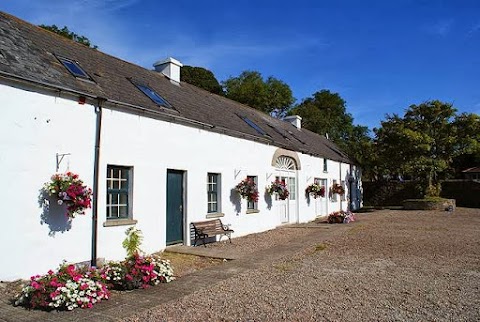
x=74 y=68
x=154 y=96
x=253 y=125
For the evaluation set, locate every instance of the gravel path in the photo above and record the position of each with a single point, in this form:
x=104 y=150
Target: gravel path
x=388 y=266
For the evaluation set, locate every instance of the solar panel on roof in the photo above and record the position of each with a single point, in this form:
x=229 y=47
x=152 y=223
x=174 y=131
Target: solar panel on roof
x=74 y=68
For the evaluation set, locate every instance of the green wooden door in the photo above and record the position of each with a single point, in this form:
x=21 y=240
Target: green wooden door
x=174 y=207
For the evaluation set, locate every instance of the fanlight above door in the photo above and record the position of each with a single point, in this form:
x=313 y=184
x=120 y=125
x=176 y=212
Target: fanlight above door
x=285 y=163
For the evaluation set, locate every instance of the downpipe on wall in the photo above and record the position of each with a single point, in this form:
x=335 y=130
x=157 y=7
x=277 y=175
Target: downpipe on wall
x=96 y=169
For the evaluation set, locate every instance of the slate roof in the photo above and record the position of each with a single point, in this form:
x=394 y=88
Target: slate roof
x=28 y=51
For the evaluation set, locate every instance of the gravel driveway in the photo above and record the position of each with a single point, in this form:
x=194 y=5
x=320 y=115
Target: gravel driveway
x=387 y=266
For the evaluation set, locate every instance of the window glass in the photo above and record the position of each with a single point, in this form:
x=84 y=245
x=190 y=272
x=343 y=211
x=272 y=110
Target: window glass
x=74 y=68
x=119 y=192
x=253 y=205
x=213 y=192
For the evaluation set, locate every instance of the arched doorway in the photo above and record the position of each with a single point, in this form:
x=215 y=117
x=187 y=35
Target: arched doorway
x=286 y=167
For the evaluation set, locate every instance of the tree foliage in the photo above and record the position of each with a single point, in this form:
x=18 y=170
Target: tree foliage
x=202 y=78
x=271 y=96
x=325 y=113
x=424 y=143
x=467 y=144
x=65 y=32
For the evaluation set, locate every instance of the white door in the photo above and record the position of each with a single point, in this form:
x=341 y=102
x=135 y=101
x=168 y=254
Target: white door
x=286 y=171
x=321 y=203
x=287 y=208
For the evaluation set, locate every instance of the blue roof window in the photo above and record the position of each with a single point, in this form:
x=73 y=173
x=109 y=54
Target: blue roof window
x=154 y=96
x=253 y=125
x=74 y=68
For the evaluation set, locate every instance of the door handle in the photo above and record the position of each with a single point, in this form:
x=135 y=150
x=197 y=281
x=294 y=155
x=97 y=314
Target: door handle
x=180 y=208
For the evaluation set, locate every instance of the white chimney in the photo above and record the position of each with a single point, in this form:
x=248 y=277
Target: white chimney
x=295 y=120
x=169 y=67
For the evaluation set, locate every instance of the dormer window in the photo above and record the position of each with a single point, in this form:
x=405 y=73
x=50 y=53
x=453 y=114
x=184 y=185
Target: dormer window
x=74 y=68
x=154 y=96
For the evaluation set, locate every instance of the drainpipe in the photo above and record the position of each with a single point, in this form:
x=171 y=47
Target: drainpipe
x=351 y=179
x=340 y=183
x=96 y=167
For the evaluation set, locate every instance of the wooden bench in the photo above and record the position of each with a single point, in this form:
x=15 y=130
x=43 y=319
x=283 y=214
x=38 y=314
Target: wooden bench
x=210 y=228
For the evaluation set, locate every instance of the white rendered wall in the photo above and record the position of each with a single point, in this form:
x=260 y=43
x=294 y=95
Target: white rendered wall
x=153 y=146
x=33 y=128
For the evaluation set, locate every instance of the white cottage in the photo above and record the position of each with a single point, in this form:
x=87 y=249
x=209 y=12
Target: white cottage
x=158 y=153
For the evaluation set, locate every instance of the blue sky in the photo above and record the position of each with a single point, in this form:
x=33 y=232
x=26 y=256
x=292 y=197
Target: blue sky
x=380 y=56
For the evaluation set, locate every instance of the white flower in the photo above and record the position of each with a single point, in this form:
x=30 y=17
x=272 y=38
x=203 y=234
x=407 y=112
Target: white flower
x=60 y=202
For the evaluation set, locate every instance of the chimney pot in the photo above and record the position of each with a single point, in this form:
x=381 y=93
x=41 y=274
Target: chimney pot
x=169 y=67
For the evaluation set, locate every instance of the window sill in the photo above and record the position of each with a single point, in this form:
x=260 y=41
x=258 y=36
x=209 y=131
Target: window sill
x=119 y=222
x=215 y=215
x=252 y=211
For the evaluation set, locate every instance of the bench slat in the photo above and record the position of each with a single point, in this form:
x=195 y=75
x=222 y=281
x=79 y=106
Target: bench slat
x=210 y=228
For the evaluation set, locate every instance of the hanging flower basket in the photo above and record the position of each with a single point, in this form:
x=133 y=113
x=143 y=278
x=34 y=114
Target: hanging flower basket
x=247 y=189
x=280 y=188
x=69 y=189
x=338 y=189
x=315 y=190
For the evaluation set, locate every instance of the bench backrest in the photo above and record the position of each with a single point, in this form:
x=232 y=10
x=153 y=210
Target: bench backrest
x=209 y=225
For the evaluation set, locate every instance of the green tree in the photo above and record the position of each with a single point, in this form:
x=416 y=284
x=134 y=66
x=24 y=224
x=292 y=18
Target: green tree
x=271 y=96
x=65 y=32
x=325 y=113
x=467 y=144
x=202 y=78
x=420 y=145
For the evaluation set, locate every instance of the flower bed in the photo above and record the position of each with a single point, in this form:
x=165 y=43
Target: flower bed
x=138 y=272
x=66 y=289
x=71 y=287
x=340 y=217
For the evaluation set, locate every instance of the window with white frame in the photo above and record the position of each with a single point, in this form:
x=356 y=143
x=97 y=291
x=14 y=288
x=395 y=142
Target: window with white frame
x=325 y=165
x=333 y=196
x=253 y=205
x=213 y=192
x=292 y=189
x=119 y=192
